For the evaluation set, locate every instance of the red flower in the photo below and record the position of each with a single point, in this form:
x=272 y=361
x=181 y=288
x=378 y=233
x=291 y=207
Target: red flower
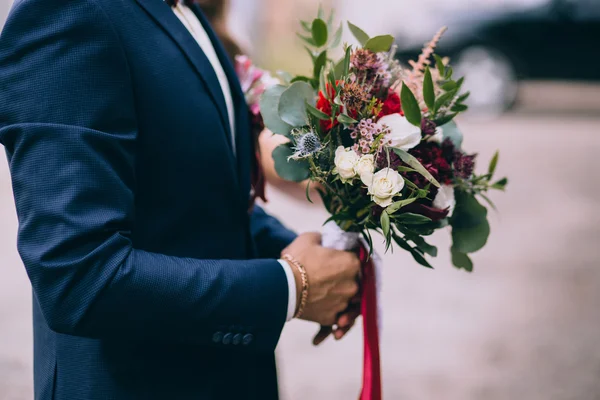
x=324 y=105
x=391 y=105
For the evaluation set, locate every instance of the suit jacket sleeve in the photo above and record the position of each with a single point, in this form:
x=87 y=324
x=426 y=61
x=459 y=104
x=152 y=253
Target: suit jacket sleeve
x=68 y=123
x=270 y=236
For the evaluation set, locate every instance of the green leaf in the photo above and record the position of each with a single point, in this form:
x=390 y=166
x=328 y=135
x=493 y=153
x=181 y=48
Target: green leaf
x=501 y=184
x=461 y=261
x=322 y=82
x=450 y=85
x=415 y=164
x=308 y=40
x=292 y=104
x=311 y=53
x=337 y=37
x=358 y=33
x=347 y=60
x=330 y=20
x=412 y=219
x=463 y=97
x=458 y=108
x=321 y=13
x=445 y=119
x=428 y=90
x=439 y=63
x=346 y=120
x=493 y=164
x=308 y=192
x=449 y=72
x=269 y=108
x=300 y=78
x=319 y=32
x=470 y=228
x=394 y=207
x=307 y=26
x=451 y=131
x=416 y=255
x=410 y=106
x=385 y=224
x=317 y=113
x=423 y=245
x=379 y=44
x=289 y=169
x=319 y=63
x=444 y=100
x=487 y=200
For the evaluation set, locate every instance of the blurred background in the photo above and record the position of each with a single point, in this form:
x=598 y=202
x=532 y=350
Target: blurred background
x=524 y=325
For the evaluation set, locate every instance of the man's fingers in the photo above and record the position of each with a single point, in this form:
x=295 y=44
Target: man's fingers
x=322 y=335
x=341 y=332
x=348 y=317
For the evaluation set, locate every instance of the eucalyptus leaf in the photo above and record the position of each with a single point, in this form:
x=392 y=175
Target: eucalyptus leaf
x=292 y=104
x=410 y=106
x=285 y=76
x=321 y=12
x=289 y=169
x=269 y=108
x=470 y=228
x=379 y=44
x=451 y=131
x=358 y=33
x=337 y=37
x=428 y=90
x=300 y=78
x=462 y=261
x=414 y=163
x=319 y=32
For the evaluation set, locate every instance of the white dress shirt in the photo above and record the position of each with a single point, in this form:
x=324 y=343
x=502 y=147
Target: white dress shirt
x=193 y=25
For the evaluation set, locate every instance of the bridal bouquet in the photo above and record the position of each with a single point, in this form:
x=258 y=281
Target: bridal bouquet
x=379 y=141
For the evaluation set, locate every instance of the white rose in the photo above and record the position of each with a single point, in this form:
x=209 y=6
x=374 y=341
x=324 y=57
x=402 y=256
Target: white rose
x=383 y=185
x=445 y=199
x=438 y=137
x=345 y=162
x=403 y=135
x=366 y=165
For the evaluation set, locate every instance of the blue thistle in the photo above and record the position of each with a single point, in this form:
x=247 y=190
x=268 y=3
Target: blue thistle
x=307 y=145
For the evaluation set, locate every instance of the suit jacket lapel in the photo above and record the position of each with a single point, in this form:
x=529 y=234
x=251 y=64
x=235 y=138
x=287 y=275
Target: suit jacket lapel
x=165 y=17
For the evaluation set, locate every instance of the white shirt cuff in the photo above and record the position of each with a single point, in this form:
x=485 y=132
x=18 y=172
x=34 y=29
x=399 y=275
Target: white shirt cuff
x=292 y=289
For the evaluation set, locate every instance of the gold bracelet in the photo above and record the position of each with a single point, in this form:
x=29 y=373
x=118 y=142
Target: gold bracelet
x=305 y=285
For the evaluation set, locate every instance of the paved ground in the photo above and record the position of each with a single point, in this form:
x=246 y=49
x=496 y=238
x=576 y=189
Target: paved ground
x=525 y=325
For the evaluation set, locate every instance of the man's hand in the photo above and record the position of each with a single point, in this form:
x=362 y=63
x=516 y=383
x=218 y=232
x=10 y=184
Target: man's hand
x=332 y=275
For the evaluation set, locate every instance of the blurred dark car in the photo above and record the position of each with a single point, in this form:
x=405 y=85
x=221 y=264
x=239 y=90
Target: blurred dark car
x=554 y=41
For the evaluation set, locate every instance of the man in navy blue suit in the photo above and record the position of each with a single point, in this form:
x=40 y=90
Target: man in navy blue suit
x=129 y=147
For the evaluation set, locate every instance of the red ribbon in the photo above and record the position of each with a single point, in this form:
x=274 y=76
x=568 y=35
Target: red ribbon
x=371 y=388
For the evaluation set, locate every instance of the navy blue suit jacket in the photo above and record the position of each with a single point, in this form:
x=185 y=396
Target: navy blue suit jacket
x=151 y=279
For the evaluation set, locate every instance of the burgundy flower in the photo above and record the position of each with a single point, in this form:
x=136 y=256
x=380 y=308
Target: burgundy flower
x=464 y=165
x=435 y=214
x=428 y=127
